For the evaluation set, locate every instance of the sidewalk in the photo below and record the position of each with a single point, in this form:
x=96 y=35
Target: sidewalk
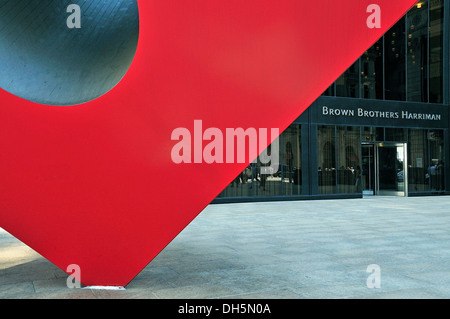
x=301 y=249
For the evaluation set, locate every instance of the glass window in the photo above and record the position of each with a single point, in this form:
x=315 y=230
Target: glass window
x=417 y=161
x=326 y=159
x=329 y=91
x=436 y=164
x=241 y=186
x=395 y=134
x=269 y=184
x=371 y=134
x=348 y=143
x=395 y=79
x=372 y=72
x=417 y=53
x=291 y=171
x=436 y=50
x=426 y=160
x=285 y=181
x=347 y=85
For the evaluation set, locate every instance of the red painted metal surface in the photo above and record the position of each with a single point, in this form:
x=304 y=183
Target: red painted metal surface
x=95 y=185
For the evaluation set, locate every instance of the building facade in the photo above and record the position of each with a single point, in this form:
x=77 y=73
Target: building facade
x=382 y=128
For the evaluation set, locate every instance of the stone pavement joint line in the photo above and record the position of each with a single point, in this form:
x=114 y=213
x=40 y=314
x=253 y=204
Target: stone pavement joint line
x=277 y=250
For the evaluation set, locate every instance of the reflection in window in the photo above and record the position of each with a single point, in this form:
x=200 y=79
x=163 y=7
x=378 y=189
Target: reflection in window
x=285 y=181
x=436 y=50
x=426 y=160
x=339 y=160
x=395 y=79
x=372 y=134
x=329 y=91
x=417 y=52
x=347 y=85
x=268 y=185
x=327 y=159
x=372 y=72
x=242 y=185
x=417 y=161
x=291 y=172
x=407 y=63
x=436 y=164
x=395 y=134
x=348 y=160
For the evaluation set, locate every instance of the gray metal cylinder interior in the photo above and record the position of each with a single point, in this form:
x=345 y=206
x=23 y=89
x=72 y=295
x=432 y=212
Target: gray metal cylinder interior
x=44 y=59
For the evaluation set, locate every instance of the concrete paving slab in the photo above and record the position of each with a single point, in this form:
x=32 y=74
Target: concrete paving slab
x=275 y=250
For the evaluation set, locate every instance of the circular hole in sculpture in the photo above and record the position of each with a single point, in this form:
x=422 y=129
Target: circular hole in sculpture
x=66 y=52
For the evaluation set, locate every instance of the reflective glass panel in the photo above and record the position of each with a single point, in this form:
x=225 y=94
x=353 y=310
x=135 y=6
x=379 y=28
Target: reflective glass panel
x=417 y=53
x=291 y=168
x=395 y=71
x=326 y=159
x=372 y=72
x=347 y=85
x=436 y=50
x=348 y=159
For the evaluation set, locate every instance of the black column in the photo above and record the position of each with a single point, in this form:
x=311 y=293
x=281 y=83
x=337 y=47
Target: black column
x=446 y=97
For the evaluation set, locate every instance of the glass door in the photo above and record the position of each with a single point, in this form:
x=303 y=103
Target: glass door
x=391 y=163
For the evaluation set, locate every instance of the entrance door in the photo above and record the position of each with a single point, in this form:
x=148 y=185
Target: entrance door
x=391 y=164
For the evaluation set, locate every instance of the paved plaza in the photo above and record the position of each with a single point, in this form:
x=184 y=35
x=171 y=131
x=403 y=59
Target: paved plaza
x=276 y=250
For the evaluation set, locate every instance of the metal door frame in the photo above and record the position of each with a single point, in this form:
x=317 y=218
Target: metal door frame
x=403 y=193
x=374 y=168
